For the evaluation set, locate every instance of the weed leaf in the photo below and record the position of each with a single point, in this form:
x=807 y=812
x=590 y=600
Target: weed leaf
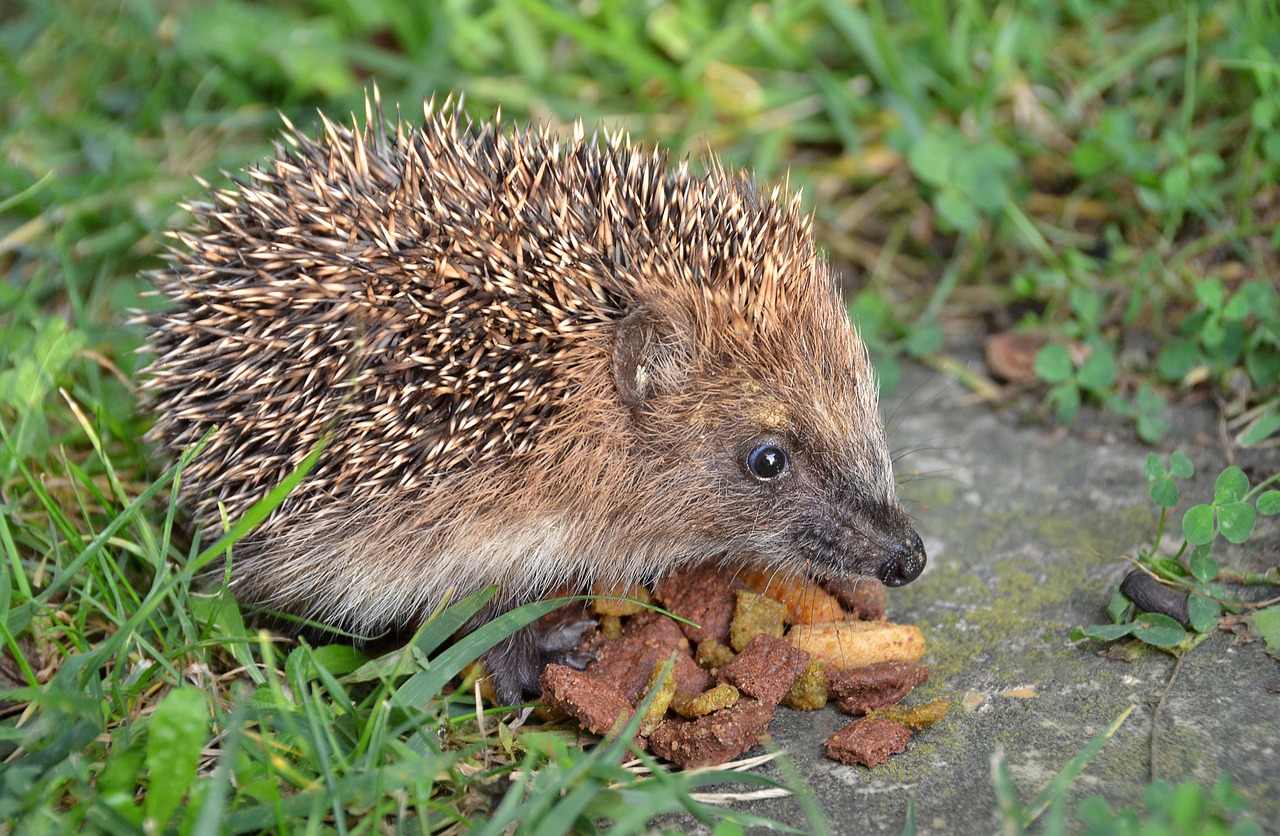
x=1181 y=466
x=1177 y=359
x=1102 y=632
x=1231 y=486
x=1267 y=623
x=1203 y=565
x=1236 y=520
x=1164 y=492
x=1053 y=363
x=1120 y=608
x=177 y=734
x=1197 y=525
x=932 y=158
x=1211 y=293
x=1167 y=567
x=956 y=210
x=1099 y=371
x=1203 y=613
x=1158 y=630
x=1067 y=397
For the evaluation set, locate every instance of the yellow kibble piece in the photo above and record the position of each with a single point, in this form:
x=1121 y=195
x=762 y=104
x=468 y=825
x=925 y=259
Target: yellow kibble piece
x=915 y=716
x=856 y=644
x=755 y=614
x=713 y=655
x=809 y=691
x=617 y=608
x=663 y=689
x=714 y=699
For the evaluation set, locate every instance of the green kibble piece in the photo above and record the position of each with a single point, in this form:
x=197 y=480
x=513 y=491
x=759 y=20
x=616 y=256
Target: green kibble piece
x=614 y=606
x=611 y=626
x=755 y=614
x=663 y=690
x=810 y=690
x=915 y=716
x=690 y=706
x=713 y=655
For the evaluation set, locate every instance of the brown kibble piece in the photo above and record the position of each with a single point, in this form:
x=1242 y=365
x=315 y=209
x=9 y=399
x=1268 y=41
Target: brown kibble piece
x=868 y=741
x=661 y=629
x=690 y=678
x=864 y=598
x=618 y=664
x=754 y=615
x=766 y=669
x=702 y=594
x=806 y=602
x=859 y=690
x=594 y=703
x=628 y=664
x=715 y=738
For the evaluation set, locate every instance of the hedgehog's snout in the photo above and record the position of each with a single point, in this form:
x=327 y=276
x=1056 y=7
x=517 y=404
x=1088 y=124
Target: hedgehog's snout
x=868 y=539
x=903 y=563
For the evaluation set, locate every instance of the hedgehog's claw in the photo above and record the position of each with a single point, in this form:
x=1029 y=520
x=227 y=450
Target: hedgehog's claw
x=578 y=660
x=560 y=640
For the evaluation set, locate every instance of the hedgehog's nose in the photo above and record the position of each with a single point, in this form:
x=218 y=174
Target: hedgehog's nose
x=904 y=564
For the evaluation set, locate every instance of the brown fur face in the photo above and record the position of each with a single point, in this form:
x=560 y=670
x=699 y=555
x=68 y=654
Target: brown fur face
x=536 y=364
x=797 y=385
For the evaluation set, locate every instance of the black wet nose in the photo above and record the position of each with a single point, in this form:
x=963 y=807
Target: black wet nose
x=904 y=565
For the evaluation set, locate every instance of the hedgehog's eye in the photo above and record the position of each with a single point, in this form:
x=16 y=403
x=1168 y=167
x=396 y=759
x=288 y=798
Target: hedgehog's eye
x=768 y=461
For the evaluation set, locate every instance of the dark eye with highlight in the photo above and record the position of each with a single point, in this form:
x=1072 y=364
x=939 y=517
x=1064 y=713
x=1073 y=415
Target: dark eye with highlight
x=768 y=461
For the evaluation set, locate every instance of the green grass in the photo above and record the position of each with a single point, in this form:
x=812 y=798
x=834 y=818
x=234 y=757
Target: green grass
x=1100 y=173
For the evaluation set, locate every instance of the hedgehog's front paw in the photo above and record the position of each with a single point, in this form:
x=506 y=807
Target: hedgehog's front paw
x=516 y=664
x=559 y=645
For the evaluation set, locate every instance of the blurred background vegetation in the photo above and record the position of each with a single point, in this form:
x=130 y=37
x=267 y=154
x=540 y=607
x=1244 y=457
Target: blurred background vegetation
x=1099 y=176
x=1061 y=202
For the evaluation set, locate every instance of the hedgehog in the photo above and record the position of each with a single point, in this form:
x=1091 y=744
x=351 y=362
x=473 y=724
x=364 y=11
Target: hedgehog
x=533 y=362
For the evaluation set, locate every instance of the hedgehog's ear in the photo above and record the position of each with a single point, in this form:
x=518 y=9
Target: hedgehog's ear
x=651 y=355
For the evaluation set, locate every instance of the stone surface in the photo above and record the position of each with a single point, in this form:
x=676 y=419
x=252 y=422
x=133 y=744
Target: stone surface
x=1026 y=529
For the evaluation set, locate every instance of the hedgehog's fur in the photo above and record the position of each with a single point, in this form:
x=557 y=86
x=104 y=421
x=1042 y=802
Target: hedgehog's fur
x=536 y=364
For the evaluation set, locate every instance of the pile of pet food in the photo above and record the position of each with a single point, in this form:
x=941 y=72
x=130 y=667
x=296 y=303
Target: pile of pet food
x=736 y=661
